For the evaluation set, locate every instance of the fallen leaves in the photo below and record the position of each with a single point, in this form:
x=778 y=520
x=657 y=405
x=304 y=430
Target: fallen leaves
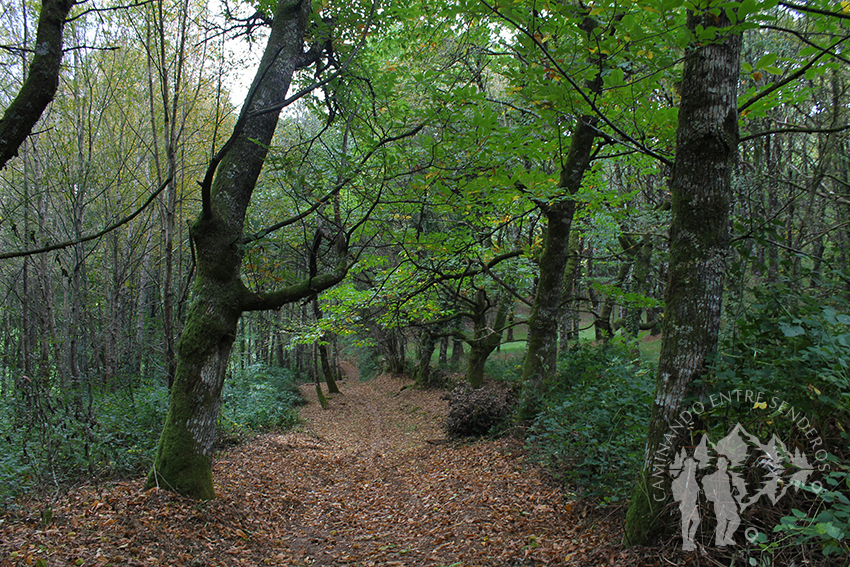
x=359 y=485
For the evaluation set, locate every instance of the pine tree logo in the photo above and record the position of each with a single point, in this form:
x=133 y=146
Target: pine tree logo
x=723 y=484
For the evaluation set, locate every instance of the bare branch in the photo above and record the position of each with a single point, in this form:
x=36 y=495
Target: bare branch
x=110 y=9
x=94 y=236
x=810 y=10
x=795 y=130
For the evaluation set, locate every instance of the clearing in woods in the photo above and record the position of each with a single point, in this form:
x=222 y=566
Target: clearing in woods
x=367 y=482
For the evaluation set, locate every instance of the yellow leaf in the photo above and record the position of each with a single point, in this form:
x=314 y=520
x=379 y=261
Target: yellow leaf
x=596 y=11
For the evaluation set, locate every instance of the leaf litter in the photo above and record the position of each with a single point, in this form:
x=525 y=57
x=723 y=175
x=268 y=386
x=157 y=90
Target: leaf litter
x=370 y=481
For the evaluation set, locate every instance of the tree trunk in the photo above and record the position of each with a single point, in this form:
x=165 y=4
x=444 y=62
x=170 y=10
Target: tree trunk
x=444 y=351
x=570 y=303
x=41 y=82
x=485 y=339
x=602 y=325
x=427 y=345
x=457 y=352
x=543 y=321
x=700 y=184
x=330 y=378
x=184 y=456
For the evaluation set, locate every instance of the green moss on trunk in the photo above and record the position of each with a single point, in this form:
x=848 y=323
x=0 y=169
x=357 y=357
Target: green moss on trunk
x=543 y=322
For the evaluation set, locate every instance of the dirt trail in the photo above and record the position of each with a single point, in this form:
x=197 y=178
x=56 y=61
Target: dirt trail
x=376 y=417
x=373 y=483
x=357 y=485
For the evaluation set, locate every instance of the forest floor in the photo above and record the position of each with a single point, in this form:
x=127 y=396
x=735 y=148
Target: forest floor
x=370 y=481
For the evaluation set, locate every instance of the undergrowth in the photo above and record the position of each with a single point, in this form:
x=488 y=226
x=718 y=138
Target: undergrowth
x=51 y=436
x=263 y=398
x=792 y=347
x=591 y=430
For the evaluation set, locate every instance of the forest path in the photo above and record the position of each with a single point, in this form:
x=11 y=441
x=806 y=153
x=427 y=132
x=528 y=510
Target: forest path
x=377 y=485
x=356 y=485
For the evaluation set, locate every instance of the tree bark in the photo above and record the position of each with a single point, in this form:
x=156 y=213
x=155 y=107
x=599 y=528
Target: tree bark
x=427 y=345
x=485 y=339
x=42 y=79
x=543 y=321
x=184 y=456
x=569 y=316
x=324 y=359
x=706 y=144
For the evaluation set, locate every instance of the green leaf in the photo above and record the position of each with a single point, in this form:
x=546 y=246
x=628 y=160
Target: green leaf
x=766 y=60
x=791 y=330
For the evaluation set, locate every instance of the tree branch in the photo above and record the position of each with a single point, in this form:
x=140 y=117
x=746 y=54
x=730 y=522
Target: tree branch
x=333 y=190
x=94 y=236
x=797 y=129
x=809 y=10
x=581 y=92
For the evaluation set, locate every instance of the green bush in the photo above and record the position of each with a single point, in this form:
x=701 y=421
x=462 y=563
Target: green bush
x=794 y=347
x=827 y=523
x=505 y=367
x=591 y=431
x=53 y=436
x=263 y=398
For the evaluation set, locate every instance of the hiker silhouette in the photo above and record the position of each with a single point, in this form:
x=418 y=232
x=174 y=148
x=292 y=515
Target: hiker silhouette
x=722 y=490
x=725 y=488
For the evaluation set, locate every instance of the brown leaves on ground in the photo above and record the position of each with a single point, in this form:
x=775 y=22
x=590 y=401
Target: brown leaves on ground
x=367 y=482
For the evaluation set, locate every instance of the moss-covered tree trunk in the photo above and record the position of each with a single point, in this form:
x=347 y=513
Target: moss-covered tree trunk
x=700 y=184
x=427 y=345
x=42 y=80
x=324 y=357
x=485 y=338
x=183 y=460
x=543 y=321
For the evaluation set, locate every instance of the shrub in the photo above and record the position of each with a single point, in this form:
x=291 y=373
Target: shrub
x=128 y=428
x=263 y=398
x=477 y=412
x=591 y=431
x=505 y=367
x=793 y=346
x=52 y=435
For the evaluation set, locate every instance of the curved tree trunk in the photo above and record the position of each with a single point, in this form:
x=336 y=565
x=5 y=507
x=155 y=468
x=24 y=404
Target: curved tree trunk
x=184 y=457
x=42 y=79
x=706 y=143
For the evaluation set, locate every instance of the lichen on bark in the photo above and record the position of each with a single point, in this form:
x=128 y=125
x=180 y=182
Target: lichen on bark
x=700 y=184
